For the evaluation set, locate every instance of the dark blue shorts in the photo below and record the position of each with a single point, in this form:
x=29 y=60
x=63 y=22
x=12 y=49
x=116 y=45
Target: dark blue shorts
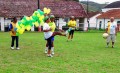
x=52 y=38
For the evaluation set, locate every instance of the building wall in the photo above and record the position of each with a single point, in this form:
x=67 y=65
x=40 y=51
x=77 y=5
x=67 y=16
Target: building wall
x=93 y=21
x=85 y=23
x=61 y=23
x=5 y=22
x=2 y=23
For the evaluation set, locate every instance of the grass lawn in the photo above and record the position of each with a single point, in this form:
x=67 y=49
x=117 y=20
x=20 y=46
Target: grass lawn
x=85 y=54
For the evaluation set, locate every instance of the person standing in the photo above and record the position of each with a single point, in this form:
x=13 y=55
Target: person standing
x=112 y=32
x=14 y=37
x=71 y=24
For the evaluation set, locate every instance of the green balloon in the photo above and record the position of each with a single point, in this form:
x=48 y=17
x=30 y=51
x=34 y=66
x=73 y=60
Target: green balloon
x=24 y=18
x=31 y=24
x=34 y=17
x=39 y=21
x=33 y=21
x=41 y=12
x=17 y=34
x=19 y=22
x=36 y=12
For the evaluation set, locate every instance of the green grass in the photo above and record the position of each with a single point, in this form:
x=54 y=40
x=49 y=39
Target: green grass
x=85 y=54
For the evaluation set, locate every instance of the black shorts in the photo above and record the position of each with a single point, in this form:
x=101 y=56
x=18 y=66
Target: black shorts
x=71 y=32
x=49 y=40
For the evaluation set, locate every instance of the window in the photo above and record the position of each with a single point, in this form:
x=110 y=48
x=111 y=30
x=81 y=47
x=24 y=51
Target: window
x=118 y=22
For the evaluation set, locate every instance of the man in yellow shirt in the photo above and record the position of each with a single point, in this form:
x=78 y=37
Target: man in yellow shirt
x=14 y=37
x=71 y=25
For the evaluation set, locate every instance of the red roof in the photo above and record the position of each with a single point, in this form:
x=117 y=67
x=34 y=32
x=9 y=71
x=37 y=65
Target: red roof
x=17 y=8
x=20 y=8
x=91 y=14
x=111 y=13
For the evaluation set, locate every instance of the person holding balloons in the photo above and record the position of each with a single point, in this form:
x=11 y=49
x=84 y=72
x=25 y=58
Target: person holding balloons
x=14 y=37
x=71 y=24
x=48 y=34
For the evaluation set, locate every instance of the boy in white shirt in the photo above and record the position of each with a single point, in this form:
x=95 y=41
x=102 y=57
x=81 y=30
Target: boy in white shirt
x=48 y=34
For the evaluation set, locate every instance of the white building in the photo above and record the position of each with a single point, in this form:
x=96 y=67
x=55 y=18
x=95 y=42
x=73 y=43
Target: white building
x=92 y=19
x=111 y=10
x=103 y=19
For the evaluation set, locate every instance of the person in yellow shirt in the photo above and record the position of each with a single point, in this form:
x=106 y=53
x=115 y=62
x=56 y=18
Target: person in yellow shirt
x=14 y=37
x=71 y=25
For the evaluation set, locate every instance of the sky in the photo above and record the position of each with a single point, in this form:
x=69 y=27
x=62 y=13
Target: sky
x=101 y=1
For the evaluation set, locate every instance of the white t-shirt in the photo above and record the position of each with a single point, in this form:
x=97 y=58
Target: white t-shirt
x=49 y=33
x=113 y=27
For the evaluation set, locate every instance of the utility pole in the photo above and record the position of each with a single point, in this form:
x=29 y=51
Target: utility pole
x=38 y=4
x=87 y=14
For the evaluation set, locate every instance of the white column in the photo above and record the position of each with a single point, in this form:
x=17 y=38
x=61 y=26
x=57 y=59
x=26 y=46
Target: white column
x=77 y=21
x=32 y=28
x=85 y=24
x=2 y=23
x=61 y=23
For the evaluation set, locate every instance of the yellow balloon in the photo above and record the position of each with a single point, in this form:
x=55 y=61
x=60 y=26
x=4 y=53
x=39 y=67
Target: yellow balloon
x=17 y=25
x=38 y=15
x=42 y=23
x=42 y=17
x=45 y=10
x=28 y=27
x=21 y=25
x=48 y=11
x=36 y=24
x=33 y=14
x=21 y=31
x=31 y=18
x=28 y=18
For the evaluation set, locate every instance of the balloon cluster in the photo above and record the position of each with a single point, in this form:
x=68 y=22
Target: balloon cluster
x=36 y=19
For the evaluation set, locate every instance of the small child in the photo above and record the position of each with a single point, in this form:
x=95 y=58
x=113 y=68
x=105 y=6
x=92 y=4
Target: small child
x=13 y=34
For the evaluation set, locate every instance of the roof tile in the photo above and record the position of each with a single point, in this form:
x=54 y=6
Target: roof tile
x=111 y=13
x=60 y=8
